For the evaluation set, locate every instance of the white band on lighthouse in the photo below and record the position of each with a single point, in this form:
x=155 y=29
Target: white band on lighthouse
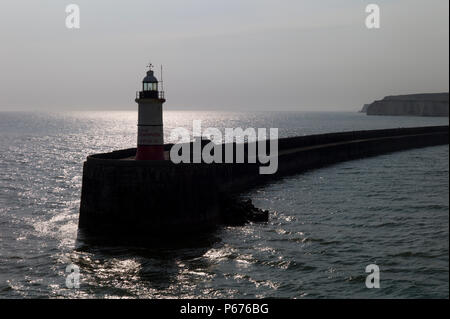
x=150 y=123
x=150 y=113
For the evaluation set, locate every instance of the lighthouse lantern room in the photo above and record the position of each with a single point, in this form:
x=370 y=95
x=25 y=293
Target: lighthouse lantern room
x=150 y=138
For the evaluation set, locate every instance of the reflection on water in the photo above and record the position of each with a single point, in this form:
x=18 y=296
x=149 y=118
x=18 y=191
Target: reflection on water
x=142 y=271
x=327 y=224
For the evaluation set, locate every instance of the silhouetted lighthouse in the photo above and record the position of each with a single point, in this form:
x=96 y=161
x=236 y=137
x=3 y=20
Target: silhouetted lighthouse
x=150 y=139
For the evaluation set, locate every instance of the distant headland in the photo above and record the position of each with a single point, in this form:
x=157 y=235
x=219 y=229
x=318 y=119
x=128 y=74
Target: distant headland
x=427 y=104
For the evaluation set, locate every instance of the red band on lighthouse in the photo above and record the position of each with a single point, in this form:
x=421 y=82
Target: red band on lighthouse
x=155 y=153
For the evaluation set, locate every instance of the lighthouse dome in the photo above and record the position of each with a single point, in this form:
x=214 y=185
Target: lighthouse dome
x=150 y=78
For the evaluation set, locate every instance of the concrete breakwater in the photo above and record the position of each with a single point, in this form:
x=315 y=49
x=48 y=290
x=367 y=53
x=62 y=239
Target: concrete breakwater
x=122 y=196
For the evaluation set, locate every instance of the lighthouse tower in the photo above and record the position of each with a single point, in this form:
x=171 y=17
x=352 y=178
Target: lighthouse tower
x=150 y=138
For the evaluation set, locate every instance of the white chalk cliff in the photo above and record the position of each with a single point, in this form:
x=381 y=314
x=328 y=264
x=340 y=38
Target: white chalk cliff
x=429 y=104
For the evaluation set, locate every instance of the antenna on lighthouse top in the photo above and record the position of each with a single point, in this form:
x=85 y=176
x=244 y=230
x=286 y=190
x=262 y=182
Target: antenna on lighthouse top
x=162 y=83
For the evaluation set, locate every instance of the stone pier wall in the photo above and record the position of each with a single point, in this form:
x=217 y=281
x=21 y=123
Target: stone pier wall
x=121 y=196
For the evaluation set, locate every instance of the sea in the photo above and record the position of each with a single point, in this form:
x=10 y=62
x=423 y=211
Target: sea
x=325 y=227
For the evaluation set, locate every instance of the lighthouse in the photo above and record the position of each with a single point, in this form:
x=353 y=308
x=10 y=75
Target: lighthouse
x=150 y=137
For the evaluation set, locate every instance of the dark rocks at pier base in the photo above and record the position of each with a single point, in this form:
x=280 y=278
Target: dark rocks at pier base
x=237 y=212
x=431 y=104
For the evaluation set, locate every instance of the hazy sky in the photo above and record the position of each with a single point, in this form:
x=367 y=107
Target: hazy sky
x=227 y=54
